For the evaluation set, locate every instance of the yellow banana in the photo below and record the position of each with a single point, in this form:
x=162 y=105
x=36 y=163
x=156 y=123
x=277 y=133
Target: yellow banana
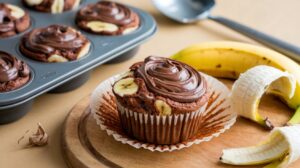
x=230 y=59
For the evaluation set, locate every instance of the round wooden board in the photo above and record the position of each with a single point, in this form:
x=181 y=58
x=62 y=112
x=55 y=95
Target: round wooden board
x=85 y=145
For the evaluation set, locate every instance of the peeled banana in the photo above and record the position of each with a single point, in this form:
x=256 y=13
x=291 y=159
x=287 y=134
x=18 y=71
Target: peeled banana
x=248 y=89
x=229 y=59
x=279 y=150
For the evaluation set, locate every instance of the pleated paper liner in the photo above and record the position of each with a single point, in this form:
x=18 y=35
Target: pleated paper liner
x=156 y=129
x=215 y=118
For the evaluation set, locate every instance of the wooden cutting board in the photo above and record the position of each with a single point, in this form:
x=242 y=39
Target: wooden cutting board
x=85 y=145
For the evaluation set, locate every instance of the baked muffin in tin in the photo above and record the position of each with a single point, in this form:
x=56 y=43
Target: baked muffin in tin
x=55 y=43
x=14 y=73
x=52 y=6
x=107 y=18
x=13 y=20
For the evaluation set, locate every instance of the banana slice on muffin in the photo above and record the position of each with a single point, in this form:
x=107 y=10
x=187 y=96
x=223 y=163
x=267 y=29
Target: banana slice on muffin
x=107 y=18
x=13 y=20
x=55 y=43
x=52 y=6
x=126 y=86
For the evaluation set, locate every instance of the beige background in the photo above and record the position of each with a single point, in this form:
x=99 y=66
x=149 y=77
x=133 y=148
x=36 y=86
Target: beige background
x=279 y=18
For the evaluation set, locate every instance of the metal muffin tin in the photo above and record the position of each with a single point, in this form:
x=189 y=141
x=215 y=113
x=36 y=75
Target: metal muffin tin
x=62 y=77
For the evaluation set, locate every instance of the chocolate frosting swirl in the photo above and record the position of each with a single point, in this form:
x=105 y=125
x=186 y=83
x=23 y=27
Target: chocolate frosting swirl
x=6 y=19
x=172 y=79
x=107 y=11
x=54 y=37
x=11 y=68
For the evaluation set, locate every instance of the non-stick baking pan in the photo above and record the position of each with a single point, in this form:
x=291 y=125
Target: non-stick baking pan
x=61 y=77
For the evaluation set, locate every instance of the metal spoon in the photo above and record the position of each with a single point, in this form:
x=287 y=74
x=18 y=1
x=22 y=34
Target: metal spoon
x=190 y=11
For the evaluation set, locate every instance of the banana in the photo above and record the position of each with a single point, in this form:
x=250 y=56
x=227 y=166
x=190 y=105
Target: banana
x=16 y=11
x=162 y=107
x=229 y=59
x=98 y=26
x=57 y=58
x=279 y=150
x=57 y=6
x=33 y=2
x=248 y=89
x=125 y=86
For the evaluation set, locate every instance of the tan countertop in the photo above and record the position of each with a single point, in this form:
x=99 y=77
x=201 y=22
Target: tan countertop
x=276 y=17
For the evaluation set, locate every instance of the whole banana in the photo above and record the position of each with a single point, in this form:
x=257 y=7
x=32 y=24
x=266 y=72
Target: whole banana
x=230 y=59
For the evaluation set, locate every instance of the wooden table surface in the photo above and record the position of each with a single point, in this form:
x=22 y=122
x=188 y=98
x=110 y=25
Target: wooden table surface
x=277 y=17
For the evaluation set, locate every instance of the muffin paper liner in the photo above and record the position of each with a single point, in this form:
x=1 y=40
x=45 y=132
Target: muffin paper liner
x=181 y=130
x=156 y=129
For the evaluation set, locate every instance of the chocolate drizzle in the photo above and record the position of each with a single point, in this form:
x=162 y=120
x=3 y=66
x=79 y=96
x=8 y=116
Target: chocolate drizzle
x=106 y=11
x=172 y=79
x=11 y=68
x=48 y=40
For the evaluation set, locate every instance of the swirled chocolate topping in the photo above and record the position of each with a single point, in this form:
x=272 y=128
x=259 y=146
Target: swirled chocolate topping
x=6 y=19
x=55 y=37
x=11 y=68
x=107 y=11
x=172 y=79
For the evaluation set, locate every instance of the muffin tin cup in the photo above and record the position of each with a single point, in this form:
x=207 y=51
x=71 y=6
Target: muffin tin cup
x=72 y=84
x=63 y=77
x=14 y=112
x=126 y=56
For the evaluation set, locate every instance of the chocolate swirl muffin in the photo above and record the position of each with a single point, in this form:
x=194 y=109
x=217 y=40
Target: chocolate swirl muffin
x=52 y=6
x=107 y=18
x=161 y=90
x=55 y=43
x=13 y=20
x=13 y=72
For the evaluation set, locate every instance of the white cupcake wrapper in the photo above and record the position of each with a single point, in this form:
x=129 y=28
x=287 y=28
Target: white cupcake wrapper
x=217 y=116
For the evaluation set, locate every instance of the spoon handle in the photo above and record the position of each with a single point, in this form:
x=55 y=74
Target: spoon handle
x=288 y=49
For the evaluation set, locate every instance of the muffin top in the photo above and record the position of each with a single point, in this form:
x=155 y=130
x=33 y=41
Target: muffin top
x=55 y=43
x=13 y=20
x=170 y=82
x=171 y=79
x=52 y=6
x=109 y=18
x=13 y=72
